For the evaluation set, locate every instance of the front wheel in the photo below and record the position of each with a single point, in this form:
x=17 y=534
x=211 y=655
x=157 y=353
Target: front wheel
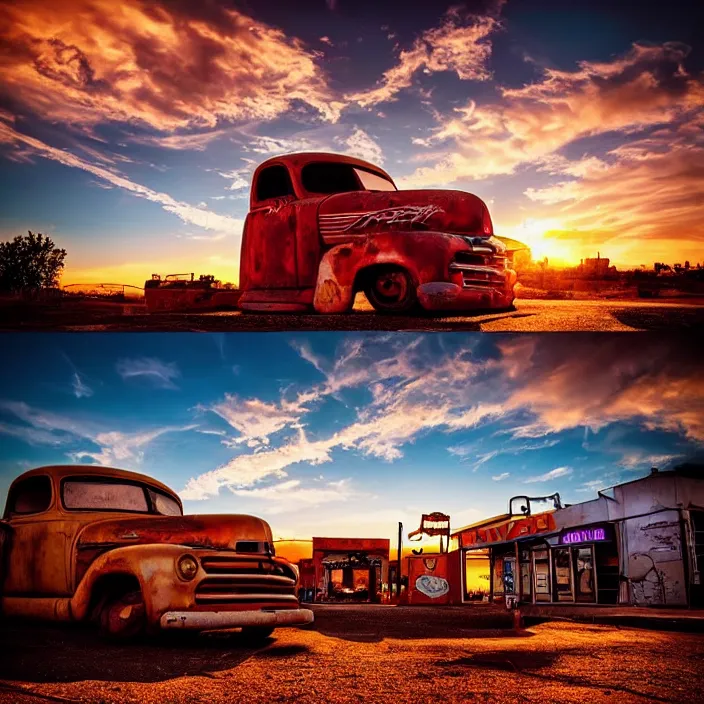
x=390 y=289
x=123 y=618
x=257 y=634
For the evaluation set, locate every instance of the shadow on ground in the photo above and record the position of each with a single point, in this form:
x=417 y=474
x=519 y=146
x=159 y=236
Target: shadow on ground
x=368 y=623
x=666 y=319
x=71 y=654
x=540 y=666
x=100 y=315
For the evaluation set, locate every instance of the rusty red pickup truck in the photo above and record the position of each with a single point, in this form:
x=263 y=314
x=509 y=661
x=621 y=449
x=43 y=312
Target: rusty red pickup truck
x=322 y=227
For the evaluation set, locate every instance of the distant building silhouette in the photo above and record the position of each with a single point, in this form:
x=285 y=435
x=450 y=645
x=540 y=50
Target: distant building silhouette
x=596 y=267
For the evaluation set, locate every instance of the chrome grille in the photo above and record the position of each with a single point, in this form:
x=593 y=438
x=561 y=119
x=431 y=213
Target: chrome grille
x=481 y=268
x=243 y=579
x=244 y=564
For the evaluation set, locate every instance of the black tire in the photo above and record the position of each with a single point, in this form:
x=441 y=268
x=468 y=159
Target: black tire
x=124 y=617
x=257 y=634
x=390 y=290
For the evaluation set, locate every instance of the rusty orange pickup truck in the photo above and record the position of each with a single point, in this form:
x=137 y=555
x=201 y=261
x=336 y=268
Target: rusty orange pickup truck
x=113 y=547
x=322 y=227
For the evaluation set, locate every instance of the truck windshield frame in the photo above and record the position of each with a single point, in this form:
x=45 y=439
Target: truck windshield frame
x=155 y=501
x=330 y=177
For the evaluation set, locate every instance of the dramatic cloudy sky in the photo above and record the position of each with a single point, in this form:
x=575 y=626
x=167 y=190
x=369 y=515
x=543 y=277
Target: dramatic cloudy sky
x=128 y=131
x=346 y=434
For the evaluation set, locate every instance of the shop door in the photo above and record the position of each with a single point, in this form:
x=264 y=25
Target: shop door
x=504 y=575
x=541 y=573
x=607 y=573
x=526 y=592
x=509 y=575
x=584 y=577
x=562 y=573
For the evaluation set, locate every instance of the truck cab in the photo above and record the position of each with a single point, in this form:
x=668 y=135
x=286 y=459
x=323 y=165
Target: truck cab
x=322 y=227
x=113 y=547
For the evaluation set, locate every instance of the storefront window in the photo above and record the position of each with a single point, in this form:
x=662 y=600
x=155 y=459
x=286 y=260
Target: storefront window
x=525 y=580
x=509 y=576
x=476 y=576
x=541 y=570
x=563 y=574
x=584 y=578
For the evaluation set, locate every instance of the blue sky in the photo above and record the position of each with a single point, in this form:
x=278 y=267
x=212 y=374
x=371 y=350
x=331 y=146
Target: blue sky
x=346 y=434
x=130 y=136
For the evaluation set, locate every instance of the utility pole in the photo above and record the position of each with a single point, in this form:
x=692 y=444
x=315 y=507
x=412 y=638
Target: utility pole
x=398 y=569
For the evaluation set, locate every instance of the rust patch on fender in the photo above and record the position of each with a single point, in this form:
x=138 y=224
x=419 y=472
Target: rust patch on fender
x=329 y=293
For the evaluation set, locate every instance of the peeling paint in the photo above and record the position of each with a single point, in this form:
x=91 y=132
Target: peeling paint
x=655 y=568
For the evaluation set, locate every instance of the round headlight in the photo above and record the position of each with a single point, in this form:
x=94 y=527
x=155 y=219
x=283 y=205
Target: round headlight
x=187 y=567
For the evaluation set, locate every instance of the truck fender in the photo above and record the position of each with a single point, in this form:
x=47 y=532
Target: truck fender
x=339 y=267
x=154 y=567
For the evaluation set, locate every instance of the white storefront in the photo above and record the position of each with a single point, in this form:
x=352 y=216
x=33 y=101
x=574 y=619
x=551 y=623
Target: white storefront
x=640 y=543
x=659 y=524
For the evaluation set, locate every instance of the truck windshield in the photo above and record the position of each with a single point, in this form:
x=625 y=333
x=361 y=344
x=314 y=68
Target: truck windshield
x=91 y=495
x=334 y=177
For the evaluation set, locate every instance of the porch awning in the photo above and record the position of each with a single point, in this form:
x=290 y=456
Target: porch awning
x=507 y=531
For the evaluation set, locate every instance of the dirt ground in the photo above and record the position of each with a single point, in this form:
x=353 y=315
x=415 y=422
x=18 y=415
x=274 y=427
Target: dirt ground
x=360 y=653
x=527 y=315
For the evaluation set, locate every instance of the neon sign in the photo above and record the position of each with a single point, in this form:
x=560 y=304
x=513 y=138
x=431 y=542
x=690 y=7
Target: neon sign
x=586 y=535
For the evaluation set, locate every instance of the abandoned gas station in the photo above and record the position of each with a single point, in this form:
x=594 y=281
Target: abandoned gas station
x=639 y=543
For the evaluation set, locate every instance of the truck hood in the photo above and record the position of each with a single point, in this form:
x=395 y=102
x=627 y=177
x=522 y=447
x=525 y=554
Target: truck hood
x=211 y=531
x=365 y=212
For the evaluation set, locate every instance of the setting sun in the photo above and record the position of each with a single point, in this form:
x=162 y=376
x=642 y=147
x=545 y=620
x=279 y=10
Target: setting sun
x=536 y=234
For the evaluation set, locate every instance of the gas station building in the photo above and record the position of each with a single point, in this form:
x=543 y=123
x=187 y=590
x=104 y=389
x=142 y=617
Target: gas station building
x=639 y=543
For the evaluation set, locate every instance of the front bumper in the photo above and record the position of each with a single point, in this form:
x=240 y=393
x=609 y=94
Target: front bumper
x=443 y=295
x=478 y=277
x=216 y=620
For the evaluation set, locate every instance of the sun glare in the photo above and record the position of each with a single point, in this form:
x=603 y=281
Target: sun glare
x=535 y=233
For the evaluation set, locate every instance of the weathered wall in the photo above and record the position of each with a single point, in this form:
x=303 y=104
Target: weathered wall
x=582 y=514
x=652 y=493
x=652 y=552
x=662 y=490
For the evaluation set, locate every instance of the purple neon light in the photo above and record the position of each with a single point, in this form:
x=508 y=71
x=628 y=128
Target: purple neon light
x=587 y=535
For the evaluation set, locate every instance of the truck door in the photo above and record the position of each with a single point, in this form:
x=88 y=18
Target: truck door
x=269 y=240
x=37 y=551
